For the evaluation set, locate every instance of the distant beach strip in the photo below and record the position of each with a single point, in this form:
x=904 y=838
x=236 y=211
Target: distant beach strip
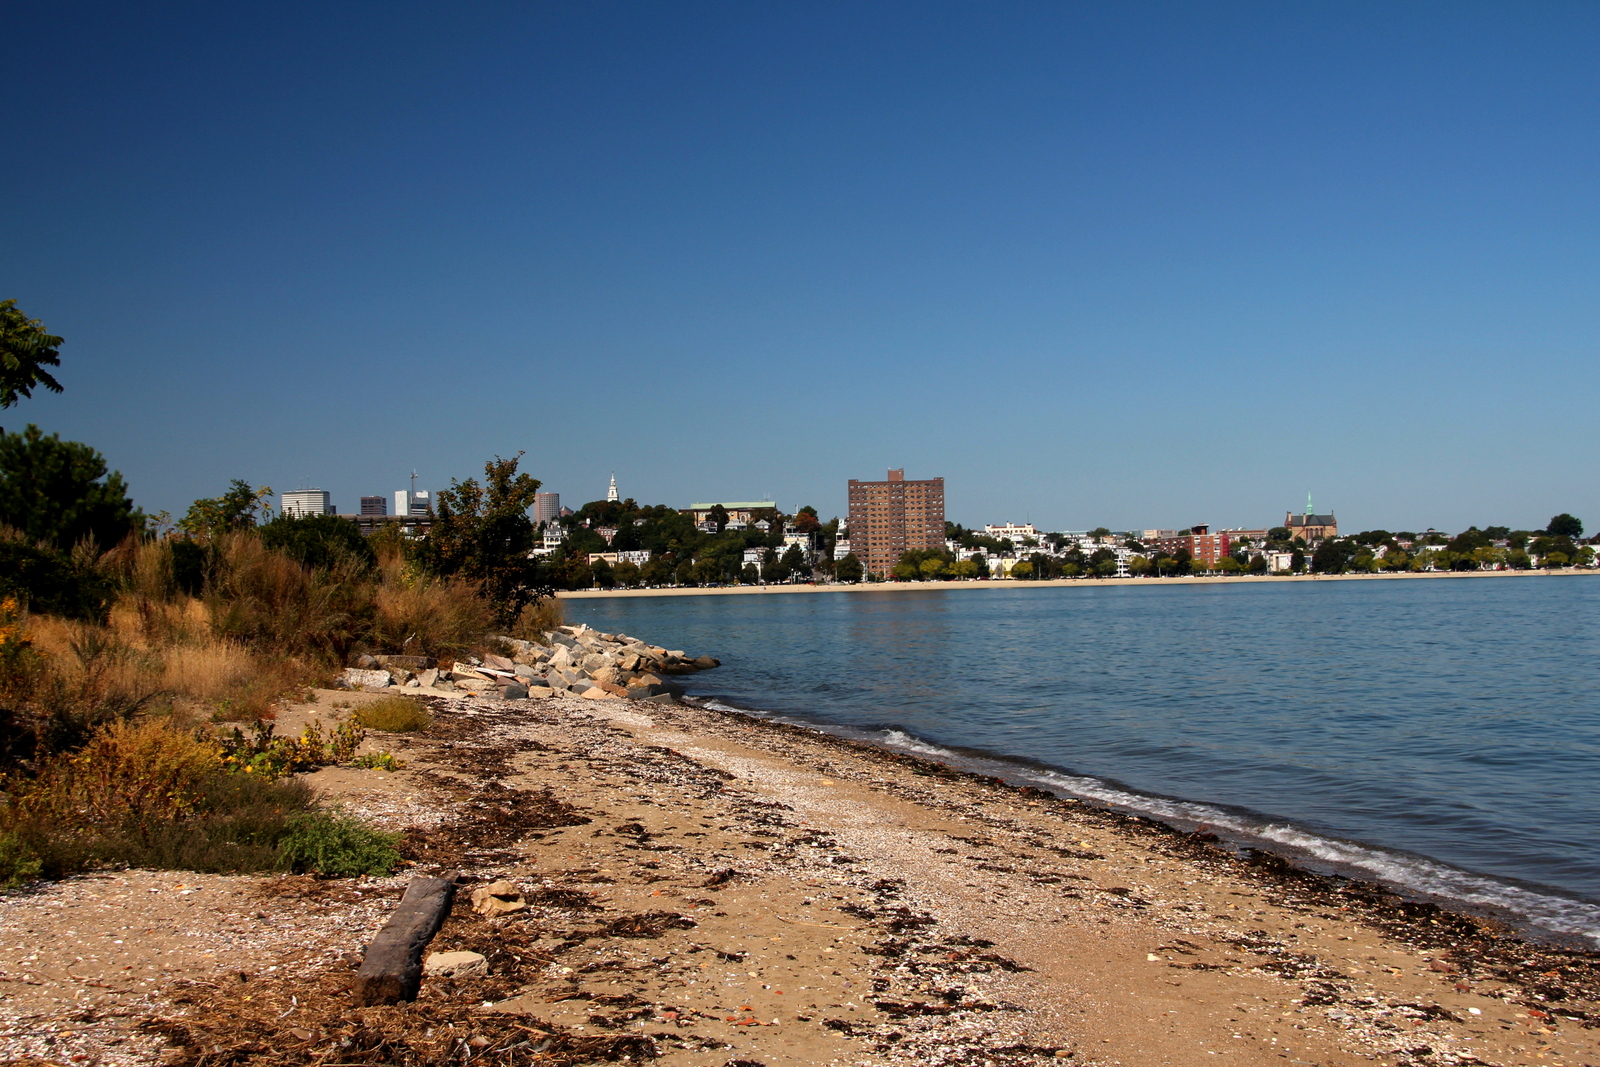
x=1058 y=583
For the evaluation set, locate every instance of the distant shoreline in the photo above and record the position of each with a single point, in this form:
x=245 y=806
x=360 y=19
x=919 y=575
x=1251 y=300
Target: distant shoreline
x=1060 y=583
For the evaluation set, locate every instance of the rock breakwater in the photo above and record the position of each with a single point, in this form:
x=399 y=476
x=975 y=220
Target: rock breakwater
x=572 y=660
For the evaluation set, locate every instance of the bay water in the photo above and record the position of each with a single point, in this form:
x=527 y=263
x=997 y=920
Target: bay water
x=1438 y=735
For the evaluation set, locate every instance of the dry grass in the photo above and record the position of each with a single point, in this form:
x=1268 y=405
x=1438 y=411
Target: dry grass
x=422 y=616
x=395 y=715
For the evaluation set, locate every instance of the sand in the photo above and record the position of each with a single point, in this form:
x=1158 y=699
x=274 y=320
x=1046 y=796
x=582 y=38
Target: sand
x=712 y=889
x=1072 y=583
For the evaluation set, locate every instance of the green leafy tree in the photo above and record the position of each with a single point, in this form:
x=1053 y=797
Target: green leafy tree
x=719 y=516
x=59 y=492
x=750 y=575
x=1099 y=533
x=1333 y=556
x=849 y=569
x=319 y=540
x=25 y=351
x=1022 y=570
x=796 y=561
x=1564 y=525
x=483 y=533
x=238 y=509
x=931 y=569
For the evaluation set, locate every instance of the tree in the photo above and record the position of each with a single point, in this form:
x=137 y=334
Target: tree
x=1258 y=564
x=1333 y=556
x=1022 y=570
x=931 y=569
x=750 y=575
x=318 y=540
x=1099 y=533
x=237 y=509
x=1564 y=525
x=483 y=534
x=849 y=569
x=806 y=521
x=60 y=492
x=627 y=574
x=719 y=515
x=795 y=560
x=25 y=350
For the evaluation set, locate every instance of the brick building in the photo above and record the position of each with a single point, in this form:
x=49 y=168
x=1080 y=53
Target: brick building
x=1199 y=542
x=894 y=516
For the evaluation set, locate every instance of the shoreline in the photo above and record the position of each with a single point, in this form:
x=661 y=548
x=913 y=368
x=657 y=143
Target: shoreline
x=1060 y=583
x=706 y=886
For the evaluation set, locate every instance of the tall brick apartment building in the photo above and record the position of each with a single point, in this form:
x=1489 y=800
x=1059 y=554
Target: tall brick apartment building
x=894 y=516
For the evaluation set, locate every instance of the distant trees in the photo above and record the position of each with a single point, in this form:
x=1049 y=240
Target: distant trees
x=240 y=508
x=849 y=569
x=1565 y=525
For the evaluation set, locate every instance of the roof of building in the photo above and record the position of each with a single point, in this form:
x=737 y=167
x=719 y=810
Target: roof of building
x=1312 y=520
x=743 y=504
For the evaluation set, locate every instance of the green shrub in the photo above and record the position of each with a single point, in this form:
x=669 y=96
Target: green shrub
x=336 y=845
x=18 y=863
x=377 y=761
x=395 y=715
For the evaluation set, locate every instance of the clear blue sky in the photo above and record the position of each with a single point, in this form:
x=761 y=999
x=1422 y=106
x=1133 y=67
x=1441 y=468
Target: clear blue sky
x=1125 y=264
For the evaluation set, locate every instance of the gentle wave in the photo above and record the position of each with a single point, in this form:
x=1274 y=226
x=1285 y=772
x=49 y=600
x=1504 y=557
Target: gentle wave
x=1412 y=875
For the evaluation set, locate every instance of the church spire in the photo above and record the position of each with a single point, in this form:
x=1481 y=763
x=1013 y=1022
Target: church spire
x=611 y=494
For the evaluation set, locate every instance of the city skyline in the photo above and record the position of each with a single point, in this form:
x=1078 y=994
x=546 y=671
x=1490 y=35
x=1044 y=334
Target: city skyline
x=1147 y=265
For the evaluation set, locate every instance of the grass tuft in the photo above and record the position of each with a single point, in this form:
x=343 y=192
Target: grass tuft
x=336 y=845
x=395 y=715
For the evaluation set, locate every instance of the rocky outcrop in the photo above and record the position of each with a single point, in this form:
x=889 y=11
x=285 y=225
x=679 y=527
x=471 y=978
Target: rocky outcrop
x=573 y=660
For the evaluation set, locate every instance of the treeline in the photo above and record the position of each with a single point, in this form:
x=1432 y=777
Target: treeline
x=683 y=554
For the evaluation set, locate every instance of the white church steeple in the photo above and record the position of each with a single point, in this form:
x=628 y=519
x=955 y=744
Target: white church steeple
x=611 y=494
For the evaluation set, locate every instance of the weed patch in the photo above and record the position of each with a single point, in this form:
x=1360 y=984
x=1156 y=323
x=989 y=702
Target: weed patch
x=335 y=845
x=395 y=715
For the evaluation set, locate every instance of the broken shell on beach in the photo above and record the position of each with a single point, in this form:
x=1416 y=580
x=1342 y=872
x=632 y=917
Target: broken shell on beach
x=638 y=877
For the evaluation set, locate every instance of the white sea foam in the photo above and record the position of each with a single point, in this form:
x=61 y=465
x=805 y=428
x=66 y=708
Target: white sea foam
x=1413 y=874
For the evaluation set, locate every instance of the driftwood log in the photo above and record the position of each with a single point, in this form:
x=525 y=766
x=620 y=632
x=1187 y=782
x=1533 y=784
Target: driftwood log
x=392 y=969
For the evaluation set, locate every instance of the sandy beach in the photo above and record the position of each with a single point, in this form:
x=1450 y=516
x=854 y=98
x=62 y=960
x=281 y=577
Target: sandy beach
x=711 y=889
x=1072 y=583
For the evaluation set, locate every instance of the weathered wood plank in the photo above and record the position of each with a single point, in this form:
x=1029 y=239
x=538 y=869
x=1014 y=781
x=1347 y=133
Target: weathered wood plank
x=392 y=969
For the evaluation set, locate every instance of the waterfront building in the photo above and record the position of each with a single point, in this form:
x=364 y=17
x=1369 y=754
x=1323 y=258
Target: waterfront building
x=1199 y=542
x=895 y=516
x=738 y=510
x=299 y=503
x=546 y=507
x=1016 y=532
x=374 y=505
x=1311 y=526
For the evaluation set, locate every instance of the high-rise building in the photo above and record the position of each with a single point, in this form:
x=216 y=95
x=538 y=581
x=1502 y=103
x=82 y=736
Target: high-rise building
x=299 y=503
x=374 y=505
x=894 y=516
x=410 y=502
x=546 y=507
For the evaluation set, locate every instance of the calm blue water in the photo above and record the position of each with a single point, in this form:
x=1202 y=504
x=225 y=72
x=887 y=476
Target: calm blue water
x=1442 y=735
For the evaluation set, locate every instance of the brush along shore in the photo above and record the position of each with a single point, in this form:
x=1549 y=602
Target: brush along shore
x=702 y=888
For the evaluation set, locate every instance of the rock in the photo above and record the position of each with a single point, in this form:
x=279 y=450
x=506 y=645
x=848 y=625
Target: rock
x=539 y=692
x=646 y=679
x=612 y=688
x=365 y=679
x=607 y=676
x=474 y=685
x=414 y=684
x=499 y=663
x=562 y=657
x=410 y=663
x=516 y=692
x=454 y=964
x=643 y=692
x=445 y=685
x=596 y=693
x=662 y=698
x=428 y=677
x=705 y=663
x=497 y=898
x=399 y=675
x=594 y=662
x=522 y=670
x=365 y=662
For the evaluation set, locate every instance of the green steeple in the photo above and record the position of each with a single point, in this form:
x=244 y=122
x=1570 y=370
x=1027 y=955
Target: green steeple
x=1309 y=509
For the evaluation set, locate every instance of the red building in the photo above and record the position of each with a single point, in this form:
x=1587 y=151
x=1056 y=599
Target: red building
x=1200 y=543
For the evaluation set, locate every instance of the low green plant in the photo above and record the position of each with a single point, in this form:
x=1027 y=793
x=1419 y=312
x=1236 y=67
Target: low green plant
x=269 y=757
x=395 y=715
x=335 y=845
x=377 y=761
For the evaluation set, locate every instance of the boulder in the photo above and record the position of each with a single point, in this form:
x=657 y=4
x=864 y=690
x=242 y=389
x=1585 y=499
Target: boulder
x=499 y=663
x=365 y=679
x=613 y=689
x=607 y=676
x=399 y=675
x=428 y=677
x=454 y=964
x=646 y=678
x=365 y=662
x=498 y=898
x=705 y=663
x=410 y=663
x=445 y=684
x=594 y=661
x=662 y=698
x=516 y=692
x=596 y=693
x=561 y=657
x=474 y=685
x=522 y=670
x=540 y=692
